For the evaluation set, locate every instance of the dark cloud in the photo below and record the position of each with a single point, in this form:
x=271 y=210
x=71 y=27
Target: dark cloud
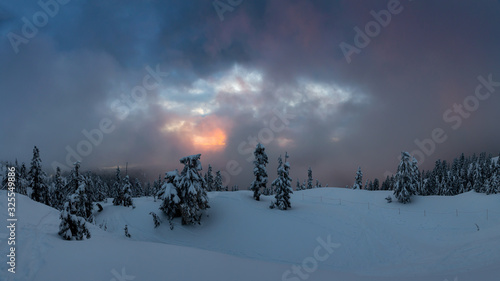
x=231 y=75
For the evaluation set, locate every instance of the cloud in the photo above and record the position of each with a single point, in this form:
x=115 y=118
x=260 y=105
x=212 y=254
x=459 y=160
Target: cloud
x=227 y=79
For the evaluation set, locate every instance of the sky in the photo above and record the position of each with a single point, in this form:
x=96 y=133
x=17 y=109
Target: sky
x=336 y=84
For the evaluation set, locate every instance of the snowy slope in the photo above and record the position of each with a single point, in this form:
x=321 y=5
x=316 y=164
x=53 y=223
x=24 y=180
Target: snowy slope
x=243 y=239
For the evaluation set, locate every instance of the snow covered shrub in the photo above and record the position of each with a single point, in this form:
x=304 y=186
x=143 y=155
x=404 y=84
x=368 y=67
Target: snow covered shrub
x=72 y=226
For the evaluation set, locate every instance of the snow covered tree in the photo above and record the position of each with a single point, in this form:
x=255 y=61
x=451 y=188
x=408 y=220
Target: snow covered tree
x=259 y=171
x=126 y=194
x=406 y=180
x=272 y=189
x=298 y=186
x=283 y=185
x=376 y=184
x=309 y=178
x=77 y=210
x=168 y=193
x=58 y=194
x=72 y=226
x=157 y=186
x=490 y=186
x=358 y=180
x=217 y=184
x=137 y=188
x=117 y=188
x=37 y=178
x=209 y=179
x=100 y=189
x=123 y=190
x=190 y=190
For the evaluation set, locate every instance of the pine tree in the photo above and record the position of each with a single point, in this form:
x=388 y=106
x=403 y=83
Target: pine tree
x=489 y=186
x=309 y=178
x=298 y=187
x=376 y=184
x=59 y=195
x=22 y=179
x=272 y=189
x=157 y=186
x=127 y=192
x=259 y=171
x=37 y=178
x=77 y=210
x=358 y=180
x=209 y=179
x=123 y=190
x=190 y=190
x=217 y=184
x=137 y=188
x=406 y=179
x=283 y=186
x=100 y=189
x=168 y=193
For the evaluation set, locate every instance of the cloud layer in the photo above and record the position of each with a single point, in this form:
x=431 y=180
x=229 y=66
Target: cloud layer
x=270 y=70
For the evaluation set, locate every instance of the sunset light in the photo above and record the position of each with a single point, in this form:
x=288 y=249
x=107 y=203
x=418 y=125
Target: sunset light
x=213 y=140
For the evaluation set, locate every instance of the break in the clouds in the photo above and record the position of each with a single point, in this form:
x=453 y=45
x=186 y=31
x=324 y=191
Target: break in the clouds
x=159 y=80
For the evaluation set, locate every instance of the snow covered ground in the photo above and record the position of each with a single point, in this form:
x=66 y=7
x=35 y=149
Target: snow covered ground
x=329 y=234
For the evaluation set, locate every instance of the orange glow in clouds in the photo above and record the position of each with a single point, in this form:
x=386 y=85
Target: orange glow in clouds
x=211 y=140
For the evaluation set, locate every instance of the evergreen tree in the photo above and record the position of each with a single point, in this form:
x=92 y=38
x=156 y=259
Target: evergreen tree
x=59 y=195
x=190 y=190
x=358 y=180
x=157 y=186
x=37 y=178
x=127 y=192
x=272 y=189
x=489 y=186
x=376 y=184
x=22 y=179
x=283 y=186
x=209 y=179
x=100 y=189
x=168 y=193
x=260 y=173
x=406 y=179
x=217 y=184
x=298 y=187
x=309 y=178
x=123 y=190
x=137 y=192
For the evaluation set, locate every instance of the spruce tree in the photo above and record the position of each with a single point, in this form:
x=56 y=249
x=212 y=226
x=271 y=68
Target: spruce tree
x=191 y=190
x=59 y=195
x=209 y=179
x=283 y=186
x=137 y=188
x=376 y=184
x=37 y=178
x=358 y=179
x=259 y=171
x=217 y=184
x=309 y=178
x=406 y=179
x=298 y=187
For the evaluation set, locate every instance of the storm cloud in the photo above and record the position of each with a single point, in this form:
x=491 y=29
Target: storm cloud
x=271 y=71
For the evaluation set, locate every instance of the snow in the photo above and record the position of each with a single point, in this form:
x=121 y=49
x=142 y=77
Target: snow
x=242 y=239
